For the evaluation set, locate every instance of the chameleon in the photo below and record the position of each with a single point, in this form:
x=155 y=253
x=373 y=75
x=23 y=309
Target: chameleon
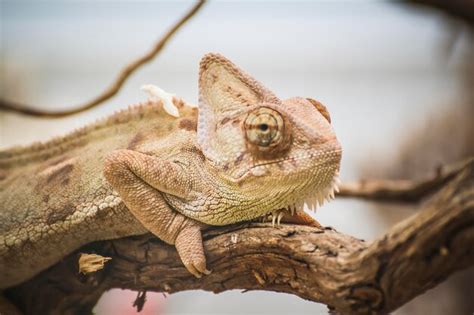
x=167 y=167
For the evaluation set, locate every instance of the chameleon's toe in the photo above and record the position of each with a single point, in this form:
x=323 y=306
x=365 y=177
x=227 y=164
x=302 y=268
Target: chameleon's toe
x=190 y=249
x=276 y=217
x=200 y=264
x=192 y=269
x=292 y=217
x=196 y=265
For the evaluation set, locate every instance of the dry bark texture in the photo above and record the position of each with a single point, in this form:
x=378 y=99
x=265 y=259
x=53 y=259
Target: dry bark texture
x=350 y=275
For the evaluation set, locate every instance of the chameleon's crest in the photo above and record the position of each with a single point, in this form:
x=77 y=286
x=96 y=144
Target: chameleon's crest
x=226 y=93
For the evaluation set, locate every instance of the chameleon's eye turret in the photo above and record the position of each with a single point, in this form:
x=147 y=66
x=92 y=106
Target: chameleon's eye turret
x=265 y=129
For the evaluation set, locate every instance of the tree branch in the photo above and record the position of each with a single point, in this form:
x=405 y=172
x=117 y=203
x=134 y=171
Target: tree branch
x=321 y=265
x=402 y=190
x=461 y=9
x=6 y=105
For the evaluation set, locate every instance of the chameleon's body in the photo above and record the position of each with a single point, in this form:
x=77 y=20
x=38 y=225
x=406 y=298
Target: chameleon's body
x=244 y=155
x=54 y=197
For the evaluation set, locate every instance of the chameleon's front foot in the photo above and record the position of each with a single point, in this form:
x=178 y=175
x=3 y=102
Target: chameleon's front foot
x=140 y=180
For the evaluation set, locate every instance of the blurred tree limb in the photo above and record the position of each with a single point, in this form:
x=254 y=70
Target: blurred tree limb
x=113 y=89
x=349 y=275
x=402 y=190
x=461 y=9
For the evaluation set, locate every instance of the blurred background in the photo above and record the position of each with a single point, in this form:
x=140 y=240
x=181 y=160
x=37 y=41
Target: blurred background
x=397 y=79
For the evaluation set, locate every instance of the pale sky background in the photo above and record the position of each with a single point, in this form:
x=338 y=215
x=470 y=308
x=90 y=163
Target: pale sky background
x=380 y=67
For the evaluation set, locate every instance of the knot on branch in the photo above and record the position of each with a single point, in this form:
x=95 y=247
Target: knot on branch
x=366 y=299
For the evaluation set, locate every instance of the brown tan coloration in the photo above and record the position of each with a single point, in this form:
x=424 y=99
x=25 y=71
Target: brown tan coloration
x=187 y=124
x=349 y=275
x=55 y=198
x=135 y=142
x=321 y=108
x=144 y=170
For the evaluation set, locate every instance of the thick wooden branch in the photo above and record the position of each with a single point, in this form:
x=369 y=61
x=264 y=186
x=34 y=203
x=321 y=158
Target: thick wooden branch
x=321 y=265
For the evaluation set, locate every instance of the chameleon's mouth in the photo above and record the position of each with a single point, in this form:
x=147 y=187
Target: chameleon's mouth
x=312 y=201
x=259 y=168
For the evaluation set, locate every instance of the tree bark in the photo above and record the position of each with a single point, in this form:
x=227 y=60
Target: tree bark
x=349 y=275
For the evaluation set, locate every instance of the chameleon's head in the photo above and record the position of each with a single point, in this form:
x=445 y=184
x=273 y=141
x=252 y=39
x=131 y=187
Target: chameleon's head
x=283 y=152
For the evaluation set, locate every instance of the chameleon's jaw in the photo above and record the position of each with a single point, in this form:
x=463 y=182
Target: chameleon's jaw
x=312 y=201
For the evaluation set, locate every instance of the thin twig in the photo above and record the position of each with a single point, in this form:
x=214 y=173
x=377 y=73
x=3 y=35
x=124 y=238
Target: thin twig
x=401 y=190
x=6 y=105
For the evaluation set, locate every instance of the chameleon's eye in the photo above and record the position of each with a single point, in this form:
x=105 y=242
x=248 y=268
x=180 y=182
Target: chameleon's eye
x=264 y=127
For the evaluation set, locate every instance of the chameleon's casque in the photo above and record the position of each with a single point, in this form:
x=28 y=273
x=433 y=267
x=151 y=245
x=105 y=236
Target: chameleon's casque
x=244 y=154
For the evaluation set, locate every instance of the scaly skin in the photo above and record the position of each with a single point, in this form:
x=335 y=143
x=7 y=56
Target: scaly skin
x=245 y=155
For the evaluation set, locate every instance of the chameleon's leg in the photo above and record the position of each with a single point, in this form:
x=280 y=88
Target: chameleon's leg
x=140 y=179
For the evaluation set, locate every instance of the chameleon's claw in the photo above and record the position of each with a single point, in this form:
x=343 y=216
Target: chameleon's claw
x=280 y=215
x=276 y=217
x=292 y=209
x=197 y=270
x=193 y=270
